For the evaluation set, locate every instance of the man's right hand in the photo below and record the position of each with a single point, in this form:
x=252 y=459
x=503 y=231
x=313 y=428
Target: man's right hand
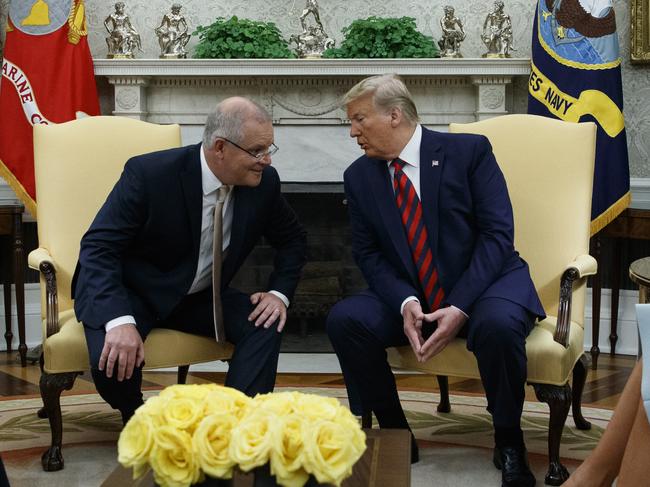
x=413 y=317
x=123 y=345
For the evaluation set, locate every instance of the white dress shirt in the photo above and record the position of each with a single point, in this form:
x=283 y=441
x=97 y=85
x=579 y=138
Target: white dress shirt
x=411 y=156
x=203 y=277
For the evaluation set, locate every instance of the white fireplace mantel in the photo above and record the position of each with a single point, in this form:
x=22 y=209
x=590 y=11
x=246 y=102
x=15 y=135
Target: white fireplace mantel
x=311 y=67
x=303 y=98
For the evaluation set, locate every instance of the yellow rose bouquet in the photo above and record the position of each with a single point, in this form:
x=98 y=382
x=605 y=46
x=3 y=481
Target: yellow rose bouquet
x=190 y=431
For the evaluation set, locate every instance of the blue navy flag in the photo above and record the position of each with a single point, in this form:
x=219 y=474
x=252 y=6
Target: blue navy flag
x=576 y=76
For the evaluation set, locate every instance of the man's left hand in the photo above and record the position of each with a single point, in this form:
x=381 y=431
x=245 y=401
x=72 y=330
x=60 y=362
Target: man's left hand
x=450 y=321
x=268 y=309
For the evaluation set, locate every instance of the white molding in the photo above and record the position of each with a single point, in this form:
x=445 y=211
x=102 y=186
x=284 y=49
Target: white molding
x=310 y=67
x=640 y=188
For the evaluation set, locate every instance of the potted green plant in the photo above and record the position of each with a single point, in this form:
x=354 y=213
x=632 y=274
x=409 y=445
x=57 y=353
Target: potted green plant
x=379 y=37
x=240 y=38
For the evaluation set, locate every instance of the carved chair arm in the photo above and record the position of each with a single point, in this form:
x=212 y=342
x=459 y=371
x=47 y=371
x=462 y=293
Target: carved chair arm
x=41 y=260
x=586 y=265
x=581 y=267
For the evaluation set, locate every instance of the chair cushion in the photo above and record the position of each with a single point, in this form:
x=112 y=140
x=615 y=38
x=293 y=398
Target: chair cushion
x=66 y=351
x=548 y=361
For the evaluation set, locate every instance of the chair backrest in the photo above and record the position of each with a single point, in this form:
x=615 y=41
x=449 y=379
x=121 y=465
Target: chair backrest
x=76 y=165
x=549 y=166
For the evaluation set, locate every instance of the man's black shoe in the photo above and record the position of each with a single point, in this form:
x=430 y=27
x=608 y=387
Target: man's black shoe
x=415 y=452
x=513 y=463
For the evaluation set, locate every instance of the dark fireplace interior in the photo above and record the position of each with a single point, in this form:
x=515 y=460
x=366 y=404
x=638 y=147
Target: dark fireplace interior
x=329 y=275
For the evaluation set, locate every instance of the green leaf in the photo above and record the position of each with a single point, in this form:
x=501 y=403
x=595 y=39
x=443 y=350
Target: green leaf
x=241 y=38
x=383 y=37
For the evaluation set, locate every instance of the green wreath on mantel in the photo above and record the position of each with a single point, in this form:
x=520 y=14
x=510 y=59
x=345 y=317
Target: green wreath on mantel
x=379 y=37
x=241 y=38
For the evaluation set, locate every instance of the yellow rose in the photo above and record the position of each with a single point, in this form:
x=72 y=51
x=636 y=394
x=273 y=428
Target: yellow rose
x=280 y=403
x=287 y=450
x=330 y=451
x=226 y=400
x=317 y=407
x=351 y=423
x=172 y=458
x=183 y=413
x=192 y=391
x=135 y=443
x=251 y=441
x=154 y=407
x=211 y=442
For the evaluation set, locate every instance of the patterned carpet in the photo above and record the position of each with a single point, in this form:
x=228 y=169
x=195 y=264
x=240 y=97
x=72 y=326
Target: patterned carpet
x=86 y=418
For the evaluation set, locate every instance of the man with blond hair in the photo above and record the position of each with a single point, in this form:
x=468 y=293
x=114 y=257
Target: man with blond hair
x=432 y=232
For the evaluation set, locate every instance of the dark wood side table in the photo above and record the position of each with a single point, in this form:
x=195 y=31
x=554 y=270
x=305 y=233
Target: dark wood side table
x=640 y=275
x=632 y=223
x=11 y=225
x=386 y=462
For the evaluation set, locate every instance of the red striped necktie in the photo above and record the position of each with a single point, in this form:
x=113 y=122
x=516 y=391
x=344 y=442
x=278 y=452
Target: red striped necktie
x=410 y=209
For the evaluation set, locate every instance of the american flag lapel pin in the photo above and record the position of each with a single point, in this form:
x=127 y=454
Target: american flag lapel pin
x=434 y=163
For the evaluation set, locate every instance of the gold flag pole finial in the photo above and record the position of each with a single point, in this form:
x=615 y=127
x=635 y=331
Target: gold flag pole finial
x=77 y=22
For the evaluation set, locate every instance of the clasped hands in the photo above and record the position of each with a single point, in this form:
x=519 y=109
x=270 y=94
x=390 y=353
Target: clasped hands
x=450 y=321
x=123 y=344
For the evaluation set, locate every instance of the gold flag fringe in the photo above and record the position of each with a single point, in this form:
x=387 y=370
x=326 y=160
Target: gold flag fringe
x=18 y=188
x=607 y=216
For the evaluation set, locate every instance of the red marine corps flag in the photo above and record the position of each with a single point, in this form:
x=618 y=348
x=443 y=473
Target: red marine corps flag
x=47 y=77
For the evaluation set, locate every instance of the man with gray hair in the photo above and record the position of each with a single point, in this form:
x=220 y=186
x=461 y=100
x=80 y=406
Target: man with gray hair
x=432 y=232
x=146 y=261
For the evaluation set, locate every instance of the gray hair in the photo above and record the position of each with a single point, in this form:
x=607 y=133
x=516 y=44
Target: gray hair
x=227 y=119
x=389 y=91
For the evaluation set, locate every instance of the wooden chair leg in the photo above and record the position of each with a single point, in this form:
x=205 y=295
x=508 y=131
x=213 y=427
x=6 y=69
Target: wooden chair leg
x=579 y=378
x=52 y=385
x=182 y=373
x=558 y=399
x=443 y=384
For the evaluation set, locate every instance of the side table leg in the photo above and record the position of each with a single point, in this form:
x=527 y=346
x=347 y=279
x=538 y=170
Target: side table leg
x=616 y=285
x=594 y=243
x=19 y=280
x=9 y=336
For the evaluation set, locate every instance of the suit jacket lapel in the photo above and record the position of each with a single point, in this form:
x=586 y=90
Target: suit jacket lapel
x=193 y=193
x=382 y=189
x=432 y=159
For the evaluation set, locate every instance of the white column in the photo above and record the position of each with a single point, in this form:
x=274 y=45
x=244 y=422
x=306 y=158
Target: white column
x=490 y=95
x=130 y=96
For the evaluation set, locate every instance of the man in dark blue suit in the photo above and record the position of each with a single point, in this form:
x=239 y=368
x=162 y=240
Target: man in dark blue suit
x=432 y=232
x=146 y=261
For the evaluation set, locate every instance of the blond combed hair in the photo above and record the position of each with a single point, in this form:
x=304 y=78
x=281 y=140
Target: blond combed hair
x=389 y=91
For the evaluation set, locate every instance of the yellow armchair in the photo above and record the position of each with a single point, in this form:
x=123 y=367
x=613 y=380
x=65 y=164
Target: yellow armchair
x=76 y=165
x=548 y=166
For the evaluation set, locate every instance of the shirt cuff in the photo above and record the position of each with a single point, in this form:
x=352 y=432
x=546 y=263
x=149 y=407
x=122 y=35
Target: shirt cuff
x=120 y=320
x=282 y=297
x=455 y=307
x=410 y=298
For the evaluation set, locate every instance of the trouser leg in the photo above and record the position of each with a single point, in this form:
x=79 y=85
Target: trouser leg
x=125 y=395
x=361 y=328
x=496 y=333
x=254 y=363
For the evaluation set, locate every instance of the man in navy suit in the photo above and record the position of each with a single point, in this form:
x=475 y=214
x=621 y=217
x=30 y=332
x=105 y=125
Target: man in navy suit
x=146 y=261
x=432 y=232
